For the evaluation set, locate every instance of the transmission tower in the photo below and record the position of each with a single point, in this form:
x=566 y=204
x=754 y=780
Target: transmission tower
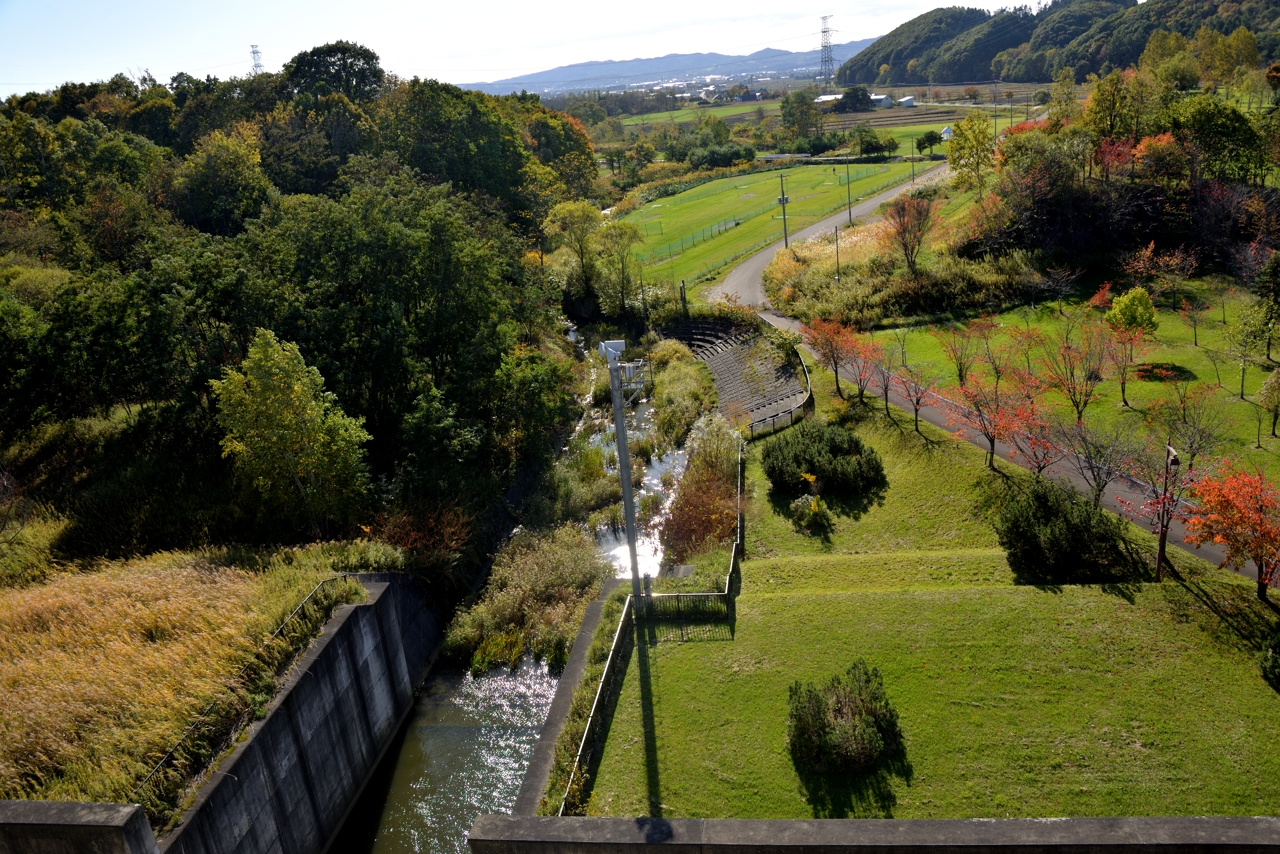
x=257 y=59
x=827 y=74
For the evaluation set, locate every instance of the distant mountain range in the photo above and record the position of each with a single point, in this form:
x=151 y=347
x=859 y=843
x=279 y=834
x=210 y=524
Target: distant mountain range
x=613 y=74
x=961 y=45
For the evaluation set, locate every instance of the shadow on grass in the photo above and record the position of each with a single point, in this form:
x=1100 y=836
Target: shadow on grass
x=863 y=794
x=1163 y=372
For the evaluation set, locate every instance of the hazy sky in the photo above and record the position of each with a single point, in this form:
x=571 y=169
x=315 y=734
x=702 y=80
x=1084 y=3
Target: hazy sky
x=49 y=42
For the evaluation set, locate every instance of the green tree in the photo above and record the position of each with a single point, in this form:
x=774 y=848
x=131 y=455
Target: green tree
x=574 y=224
x=1162 y=46
x=1245 y=337
x=928 y=139
x=222 y=184
x=971 y=151
x=288 y=436
x=856 y=99
x=1220 y=140
x=340 y=66
x=1063 y=105
x=617 y=241
x=1269 y=398
x=800 y=115
x=1132 y=311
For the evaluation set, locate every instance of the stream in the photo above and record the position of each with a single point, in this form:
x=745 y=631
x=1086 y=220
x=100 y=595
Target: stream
x=464 y=751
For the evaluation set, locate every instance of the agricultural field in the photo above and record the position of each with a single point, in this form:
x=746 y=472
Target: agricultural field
x=1014 y=699
x=679 y=240
x=696 y=114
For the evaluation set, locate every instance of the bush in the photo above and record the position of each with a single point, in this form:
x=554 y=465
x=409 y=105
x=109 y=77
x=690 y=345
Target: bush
x=682 y=392
x=846 y=725
x=705 y=510
x=833 y=454
x=811 y=514
x=1269 y=663
x=533 y=604
x=1051 y=534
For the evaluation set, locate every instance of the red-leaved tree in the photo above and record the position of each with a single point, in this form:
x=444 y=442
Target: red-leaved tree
x=832 y=343
x=1241 y=511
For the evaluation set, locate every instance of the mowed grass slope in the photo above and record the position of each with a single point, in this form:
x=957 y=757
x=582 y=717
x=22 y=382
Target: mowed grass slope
x=815 y=191
x=1015 y=700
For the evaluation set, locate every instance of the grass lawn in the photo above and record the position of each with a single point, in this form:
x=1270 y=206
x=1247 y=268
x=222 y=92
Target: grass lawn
x=104 y=670
x=1015 y=700
x=1172 y=345
x=815 y=191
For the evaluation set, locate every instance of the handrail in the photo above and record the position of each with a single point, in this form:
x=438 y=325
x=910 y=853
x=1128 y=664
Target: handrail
x=239 y=674
x=790 y=413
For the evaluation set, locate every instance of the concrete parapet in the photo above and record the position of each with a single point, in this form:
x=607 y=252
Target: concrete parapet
x=55 y=827
x=496 y=834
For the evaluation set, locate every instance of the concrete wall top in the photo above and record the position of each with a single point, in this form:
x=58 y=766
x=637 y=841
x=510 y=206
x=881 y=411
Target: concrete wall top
x=494 y=834
x=55 y=827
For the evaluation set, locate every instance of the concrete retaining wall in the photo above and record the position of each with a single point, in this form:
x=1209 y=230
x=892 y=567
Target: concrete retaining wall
x=493 y=834
x=51 y=827
x=288 y=787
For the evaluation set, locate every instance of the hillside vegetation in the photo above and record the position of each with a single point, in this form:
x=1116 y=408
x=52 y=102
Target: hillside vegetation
x=963 y=45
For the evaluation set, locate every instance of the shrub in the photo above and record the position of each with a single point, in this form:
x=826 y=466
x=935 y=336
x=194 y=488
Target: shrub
x=1051 y=534
x=1269 y=663
x=837 y=457
x=682 y=392
x=846 y=725
x=533 y=603
x=705 y=510
x=811 y=514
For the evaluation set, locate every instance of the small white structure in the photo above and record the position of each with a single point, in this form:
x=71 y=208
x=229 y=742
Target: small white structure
x=909 y=101
x=826 y=99
x=611 y=351
x=947 y=133
x=881 y=101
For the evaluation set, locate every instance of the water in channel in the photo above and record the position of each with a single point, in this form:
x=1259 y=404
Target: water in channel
x=464 y=751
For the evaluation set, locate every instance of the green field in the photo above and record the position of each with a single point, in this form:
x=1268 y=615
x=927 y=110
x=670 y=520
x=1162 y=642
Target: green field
x=1015 y=700
x=750 y=200
x=1172 y=345
x=696 y=114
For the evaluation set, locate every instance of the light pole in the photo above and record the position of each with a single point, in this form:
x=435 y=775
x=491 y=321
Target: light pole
x=837 y=230
x=1171 y=463
x=848 y=193
x=913 y=160
x=782 y=200
x=624 y=468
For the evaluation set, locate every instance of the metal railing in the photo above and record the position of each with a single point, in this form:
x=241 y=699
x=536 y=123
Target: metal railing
x=235 y=680
x=717 y=606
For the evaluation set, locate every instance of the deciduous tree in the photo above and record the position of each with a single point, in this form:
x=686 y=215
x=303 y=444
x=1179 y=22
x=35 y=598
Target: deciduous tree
x=1073 y=357
x=971 y=151
x=908 y=222
x=832 y=343
x=1241 y=511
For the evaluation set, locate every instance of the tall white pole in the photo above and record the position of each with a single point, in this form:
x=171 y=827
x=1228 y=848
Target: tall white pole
x=624 y=471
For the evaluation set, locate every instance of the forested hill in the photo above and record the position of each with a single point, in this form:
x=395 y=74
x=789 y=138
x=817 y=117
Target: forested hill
x=961 y=45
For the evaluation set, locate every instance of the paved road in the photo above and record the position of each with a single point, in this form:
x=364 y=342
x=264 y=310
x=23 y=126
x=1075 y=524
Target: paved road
x=1119 y=497
x=745 y=279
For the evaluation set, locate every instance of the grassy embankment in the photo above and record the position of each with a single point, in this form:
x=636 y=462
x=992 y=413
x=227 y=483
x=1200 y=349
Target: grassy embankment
x=696 y=114
x=814 y=191
x=1015 y=700
x=1172 y=348
x=104 y=669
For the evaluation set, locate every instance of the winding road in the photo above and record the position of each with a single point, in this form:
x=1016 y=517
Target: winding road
x=745 y=282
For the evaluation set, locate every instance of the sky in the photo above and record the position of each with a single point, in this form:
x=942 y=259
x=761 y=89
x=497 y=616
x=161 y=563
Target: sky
x=49 y=42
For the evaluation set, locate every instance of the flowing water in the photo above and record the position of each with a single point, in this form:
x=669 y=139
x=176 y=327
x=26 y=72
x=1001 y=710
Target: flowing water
x=469 y=740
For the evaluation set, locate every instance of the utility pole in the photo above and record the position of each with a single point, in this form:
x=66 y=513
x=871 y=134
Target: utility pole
x=624 y=469
x=848 y=193
x=1165 y=509
x=782 y=200
x=913 y=160
x=837 y=230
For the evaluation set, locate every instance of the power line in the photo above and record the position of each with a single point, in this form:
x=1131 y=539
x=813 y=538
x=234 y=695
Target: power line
x=257 y=59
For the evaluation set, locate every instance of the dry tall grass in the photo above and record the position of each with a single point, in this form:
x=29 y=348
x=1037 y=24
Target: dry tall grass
x=101 y=672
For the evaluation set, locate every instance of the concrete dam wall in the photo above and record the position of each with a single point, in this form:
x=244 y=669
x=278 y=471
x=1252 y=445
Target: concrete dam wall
x=288 y=785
